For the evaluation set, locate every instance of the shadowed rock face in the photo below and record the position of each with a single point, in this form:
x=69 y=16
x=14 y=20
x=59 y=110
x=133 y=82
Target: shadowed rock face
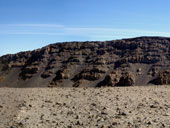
x=110 y=80
x=127 y=79
x=163 y=78
x=89 y=64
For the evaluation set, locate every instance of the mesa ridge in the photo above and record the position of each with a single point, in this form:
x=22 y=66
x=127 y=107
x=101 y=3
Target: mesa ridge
x=125 y=62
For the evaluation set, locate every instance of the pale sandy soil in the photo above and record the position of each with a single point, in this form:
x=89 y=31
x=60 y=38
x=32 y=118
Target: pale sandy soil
x=125 y=107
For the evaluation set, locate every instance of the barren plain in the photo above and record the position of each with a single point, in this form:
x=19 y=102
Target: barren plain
x=110 y=107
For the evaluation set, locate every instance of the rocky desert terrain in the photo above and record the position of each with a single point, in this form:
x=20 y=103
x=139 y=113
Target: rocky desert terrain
x=126 y=62
x=108 y=107
x=82 y=85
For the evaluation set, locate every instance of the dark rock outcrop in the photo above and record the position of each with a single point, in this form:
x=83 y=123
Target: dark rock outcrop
x=84 y=64
x=87 y=74
x=28 y=72
x=110 y=80
x=163 y=78
x=127 y=79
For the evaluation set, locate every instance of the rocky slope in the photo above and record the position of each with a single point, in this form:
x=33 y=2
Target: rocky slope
x=126 y=62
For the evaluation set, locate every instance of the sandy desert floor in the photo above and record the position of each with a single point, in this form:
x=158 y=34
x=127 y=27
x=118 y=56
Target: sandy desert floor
x=124 y=107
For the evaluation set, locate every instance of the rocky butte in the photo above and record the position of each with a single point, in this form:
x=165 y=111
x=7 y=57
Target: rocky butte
x=126 y=62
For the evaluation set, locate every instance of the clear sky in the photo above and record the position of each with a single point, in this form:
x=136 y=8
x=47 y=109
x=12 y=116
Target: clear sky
x=31 y=24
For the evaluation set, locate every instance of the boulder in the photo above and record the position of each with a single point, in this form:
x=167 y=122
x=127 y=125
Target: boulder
x=109 y=80
x=139 y=70
x=127 y=79
x=60 y=75
x=163 y=78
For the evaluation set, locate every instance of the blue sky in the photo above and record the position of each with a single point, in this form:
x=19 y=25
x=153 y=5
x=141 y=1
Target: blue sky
x=31 y=24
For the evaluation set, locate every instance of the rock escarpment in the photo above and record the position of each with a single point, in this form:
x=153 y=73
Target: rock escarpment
x=126 y=62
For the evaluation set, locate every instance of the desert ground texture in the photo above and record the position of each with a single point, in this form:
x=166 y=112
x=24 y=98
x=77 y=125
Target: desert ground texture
x=117 y=107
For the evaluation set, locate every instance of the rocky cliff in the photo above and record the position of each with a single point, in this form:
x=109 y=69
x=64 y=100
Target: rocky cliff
x=126 y=62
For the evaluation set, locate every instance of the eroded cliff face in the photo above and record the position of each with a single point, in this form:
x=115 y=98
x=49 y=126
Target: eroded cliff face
x=127 y=62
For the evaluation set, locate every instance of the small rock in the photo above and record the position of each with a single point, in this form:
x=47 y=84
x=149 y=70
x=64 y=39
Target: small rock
x=30 y=105
x=153 y=106
x=69 y=126
x=122 y=113
x=114 y=123
x=149 y=123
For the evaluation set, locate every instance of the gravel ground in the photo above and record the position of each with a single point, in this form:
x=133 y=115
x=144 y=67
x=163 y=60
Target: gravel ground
x=124 y=107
